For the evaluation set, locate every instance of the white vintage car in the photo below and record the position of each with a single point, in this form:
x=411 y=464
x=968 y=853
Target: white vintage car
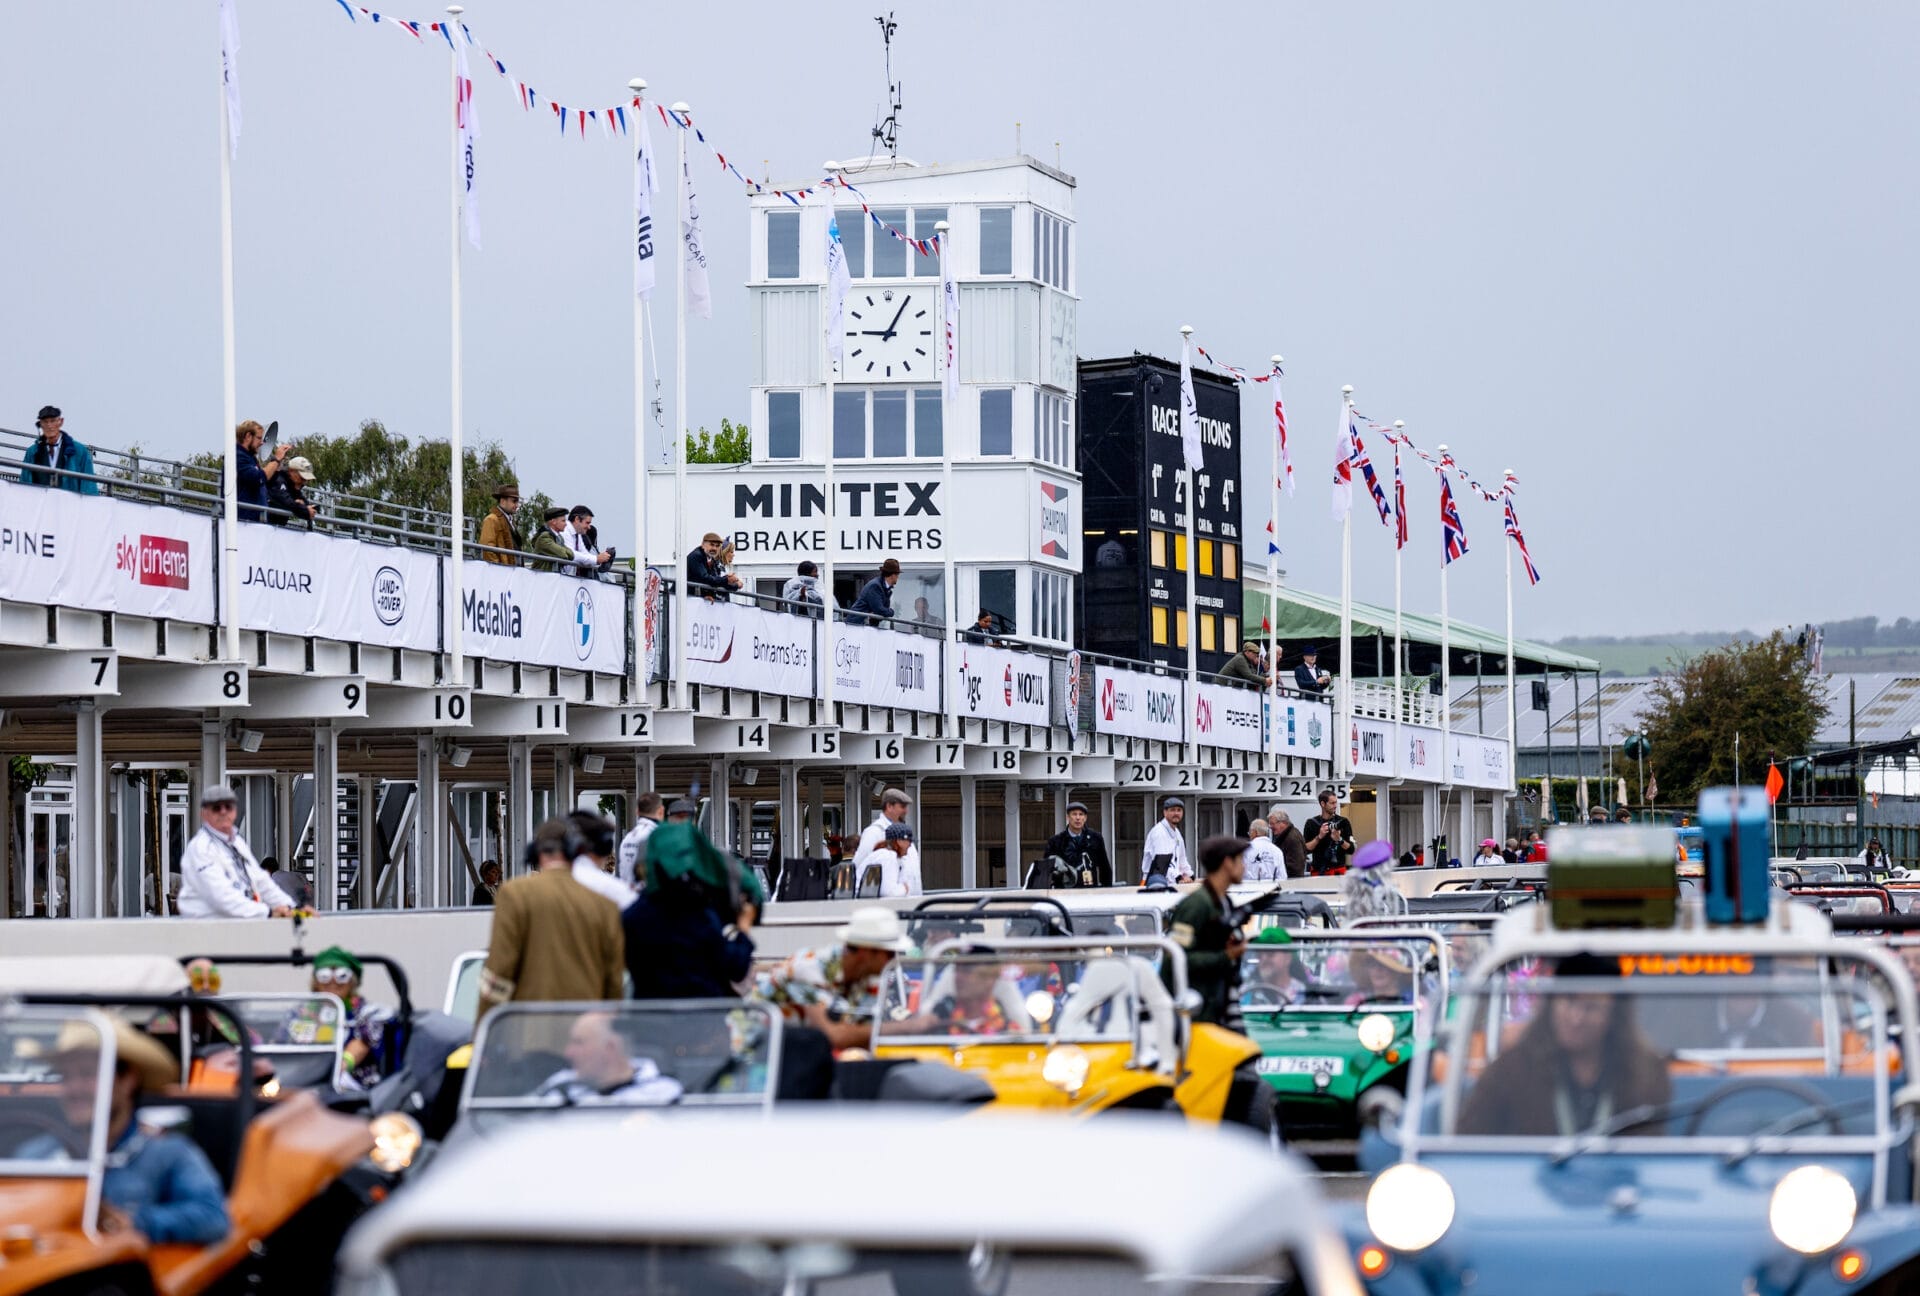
x=853 y=1203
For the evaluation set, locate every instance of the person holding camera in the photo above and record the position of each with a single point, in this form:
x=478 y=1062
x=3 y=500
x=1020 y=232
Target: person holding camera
x=1329 y=837
x=584 y=540
x=252 y=470
x=1084 y=850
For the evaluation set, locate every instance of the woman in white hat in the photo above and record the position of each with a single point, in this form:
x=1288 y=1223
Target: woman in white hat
x=836 y=989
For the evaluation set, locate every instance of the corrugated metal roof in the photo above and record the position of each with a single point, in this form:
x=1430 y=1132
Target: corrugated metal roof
x=1318 y=615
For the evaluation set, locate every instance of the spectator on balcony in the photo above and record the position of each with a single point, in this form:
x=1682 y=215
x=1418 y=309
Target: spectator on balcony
x=253 y=473
x=549 y=544
x=1244 y=667
x=705 y=576
x=982 y=631
x=923 y=613
x=1307 y=676
x=584 y=539
x=876 y=597
x=287 y=493
x=61 y=454
x=802 y=591
x=496 y=529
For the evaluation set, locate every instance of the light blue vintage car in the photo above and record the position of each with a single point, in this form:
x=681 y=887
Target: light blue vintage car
x=1688 y=1109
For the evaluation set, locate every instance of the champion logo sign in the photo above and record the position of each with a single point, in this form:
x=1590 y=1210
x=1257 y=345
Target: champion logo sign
x=1055 y=529
x=153 y=560
x=1356 y=744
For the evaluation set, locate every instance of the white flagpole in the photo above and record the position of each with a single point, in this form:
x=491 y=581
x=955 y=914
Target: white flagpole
x=1446 y=662
x=230 y=525
x=1193 y=572
x=457 y=473
x=833 y=511
x=1272 y=718
x=1399 y=701
x=679 y=433
x=637 y=89
x=1513 y=710
x=1343 y=689
x=948 y=692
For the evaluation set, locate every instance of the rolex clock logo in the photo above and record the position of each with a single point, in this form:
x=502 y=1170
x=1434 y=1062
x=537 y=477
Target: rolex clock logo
x=891 y=335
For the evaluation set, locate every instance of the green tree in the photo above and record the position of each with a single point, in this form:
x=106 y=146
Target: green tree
x=1761 y=691
x=733 y=444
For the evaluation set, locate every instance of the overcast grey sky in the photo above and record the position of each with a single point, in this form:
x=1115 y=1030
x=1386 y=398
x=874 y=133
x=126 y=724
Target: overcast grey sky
x=1657 y=258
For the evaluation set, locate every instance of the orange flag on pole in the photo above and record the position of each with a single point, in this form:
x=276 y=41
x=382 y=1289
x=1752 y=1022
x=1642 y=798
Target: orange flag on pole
x=1775 y=783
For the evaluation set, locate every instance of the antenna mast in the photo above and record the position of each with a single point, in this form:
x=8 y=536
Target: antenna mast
x=887 y=134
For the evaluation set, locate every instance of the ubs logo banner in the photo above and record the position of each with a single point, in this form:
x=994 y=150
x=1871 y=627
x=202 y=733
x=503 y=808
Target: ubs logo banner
x=1138 y=704
x=996 y=684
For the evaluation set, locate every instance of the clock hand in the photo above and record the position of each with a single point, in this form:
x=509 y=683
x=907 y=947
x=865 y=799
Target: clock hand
x=897 y=314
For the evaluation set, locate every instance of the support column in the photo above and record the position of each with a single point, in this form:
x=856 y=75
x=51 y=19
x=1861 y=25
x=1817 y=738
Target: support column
x=429 y=823
x=87 y=877
x=563 y=797
x=789 y=837
x=853 y=816
x=1383 y=814
x=1109 y=827
x=326 y=818
x=519 y=800
x=1500 y=803
x=816 y=812
x=1466 y=845
x=722 y=794
x=643 y=778
x=969 y=828
x=213 y=761
x=1059 y=806
x=372 y=854
x=1010 y=808
x=7 y=861
x=282 y=842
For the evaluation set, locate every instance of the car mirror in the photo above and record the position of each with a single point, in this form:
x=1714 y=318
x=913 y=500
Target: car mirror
x=1189 y=1002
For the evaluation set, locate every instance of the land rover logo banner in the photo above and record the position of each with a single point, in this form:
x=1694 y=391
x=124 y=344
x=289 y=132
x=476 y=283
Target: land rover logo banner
x=59 y=548
x=543 y=618
x=296 y=582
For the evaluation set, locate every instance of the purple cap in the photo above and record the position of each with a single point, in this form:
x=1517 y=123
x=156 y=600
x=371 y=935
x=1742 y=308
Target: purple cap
x=1373 y=854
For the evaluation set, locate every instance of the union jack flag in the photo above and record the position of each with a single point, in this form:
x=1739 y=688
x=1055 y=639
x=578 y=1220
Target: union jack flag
x=1453 y=536
x=1513 y=534
x=1399 y=498
x=1365 y=465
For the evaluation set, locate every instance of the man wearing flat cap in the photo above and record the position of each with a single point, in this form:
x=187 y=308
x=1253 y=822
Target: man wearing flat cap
x=55 y=451
x=219 y=877
x=496 y=529
x=550 y=541
x=1165 y=855
x=1244 y=667
x=1084 y=850
x=900 y=862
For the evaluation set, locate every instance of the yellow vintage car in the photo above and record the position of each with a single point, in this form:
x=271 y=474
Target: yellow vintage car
x=1074 y=1024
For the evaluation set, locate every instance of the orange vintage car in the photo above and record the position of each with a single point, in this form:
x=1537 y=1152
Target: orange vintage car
x=295 y=1174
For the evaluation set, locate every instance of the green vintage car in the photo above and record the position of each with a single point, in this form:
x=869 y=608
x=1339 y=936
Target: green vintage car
x=1336 y=1014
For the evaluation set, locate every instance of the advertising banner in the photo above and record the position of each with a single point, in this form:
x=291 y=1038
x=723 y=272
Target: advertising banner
x=1056 y=532
x=996 y=684
x=1421 y=753
x=884 y=667
x=1302 y=729
x=297 y=582
x=1481 y=762
x=1136 y=704
x=736 y=645
x=1073 y=694
x=1370 y=747
x=542 y=618
x=1225 y=716
x=87 y=551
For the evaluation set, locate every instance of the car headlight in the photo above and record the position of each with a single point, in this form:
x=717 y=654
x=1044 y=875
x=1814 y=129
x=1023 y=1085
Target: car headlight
x=1376 y=1032
x=396 y=1138
x=1812 y=1209
x=1065 y=1067
x=1040 y=1007
x=1409 y=1207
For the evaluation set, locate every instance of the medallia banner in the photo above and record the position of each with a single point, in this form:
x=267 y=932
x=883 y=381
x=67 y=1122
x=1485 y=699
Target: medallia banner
x=877 y=667
x=59 y=548
x=1136 y=704
x=542 y=618
x=736 y=645
x=296 y=582
x=996 y=684
x=1225 y=716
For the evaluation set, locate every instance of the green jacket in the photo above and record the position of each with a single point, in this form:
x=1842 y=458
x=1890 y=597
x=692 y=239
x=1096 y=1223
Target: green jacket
x=548 y=545
x=1198 y=924
x=1239 y=668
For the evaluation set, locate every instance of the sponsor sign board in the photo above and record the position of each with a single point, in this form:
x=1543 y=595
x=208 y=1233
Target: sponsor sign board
x=879 y=667
x=1137 y=704
x=542 y=618
x=736 y=645
x=298 y=583
x=64 y=549
x=996 y=684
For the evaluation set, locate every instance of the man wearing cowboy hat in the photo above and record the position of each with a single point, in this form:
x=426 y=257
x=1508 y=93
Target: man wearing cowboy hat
x=160 y=1184
x=836 y=989
x=61 y=454
x=496 y=529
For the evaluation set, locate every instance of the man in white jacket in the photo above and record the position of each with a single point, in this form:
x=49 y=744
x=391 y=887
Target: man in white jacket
x=894 y=805
x=1165 y=839
x=899 y=861
x=633 y=847
x=219 y=877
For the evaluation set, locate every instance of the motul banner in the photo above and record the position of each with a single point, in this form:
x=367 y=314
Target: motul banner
x=1137 y=704
x=299 y=582
x=62 y=549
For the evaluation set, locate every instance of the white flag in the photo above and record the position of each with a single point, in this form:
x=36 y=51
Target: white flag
x=468 y=126
x=1343 y=468
x=838 y=281
x=230 y=71
x=693 y=257
x=1189 y=414
x=950 y=324
x=646 y=183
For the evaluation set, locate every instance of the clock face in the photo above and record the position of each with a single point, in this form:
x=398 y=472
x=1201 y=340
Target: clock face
x=889 y=335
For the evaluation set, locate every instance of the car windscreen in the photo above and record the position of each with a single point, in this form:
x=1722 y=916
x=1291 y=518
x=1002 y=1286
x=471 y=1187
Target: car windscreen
x=1084 y=996
x=53 y=1090
x=1340 y=973
x=753 y=1266
x=645 y=1053
x=1636 y=1047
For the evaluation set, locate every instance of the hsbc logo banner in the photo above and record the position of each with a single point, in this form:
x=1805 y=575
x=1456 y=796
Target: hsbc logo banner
x=995 y=684
x=1136 y=704
x=61 y=549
